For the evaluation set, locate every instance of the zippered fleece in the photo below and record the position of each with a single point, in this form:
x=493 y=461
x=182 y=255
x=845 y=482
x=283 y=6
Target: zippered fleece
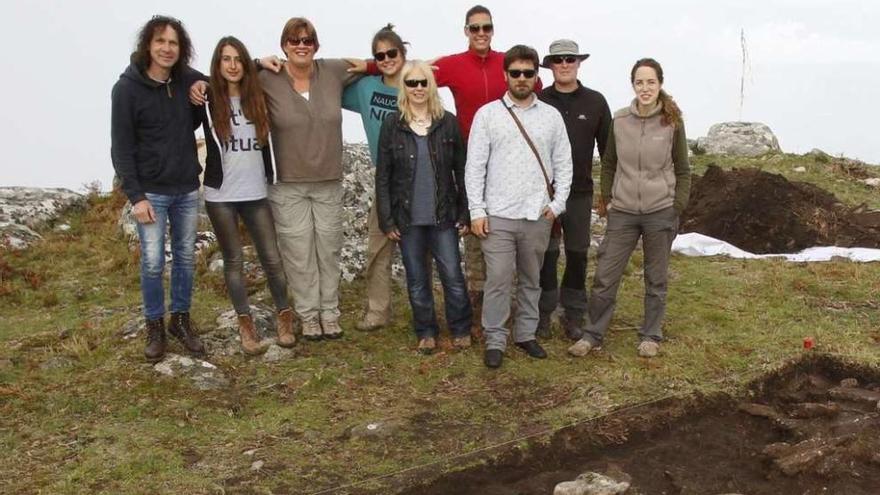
x=645 y=167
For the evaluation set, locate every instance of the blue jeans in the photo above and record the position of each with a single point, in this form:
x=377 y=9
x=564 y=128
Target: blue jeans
x=416 y=244
x=181 y=211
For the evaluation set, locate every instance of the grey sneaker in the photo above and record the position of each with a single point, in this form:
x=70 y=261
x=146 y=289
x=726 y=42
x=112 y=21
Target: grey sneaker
x=648 y=349
x=581 y=348
x=332 y=330
x=311 y=329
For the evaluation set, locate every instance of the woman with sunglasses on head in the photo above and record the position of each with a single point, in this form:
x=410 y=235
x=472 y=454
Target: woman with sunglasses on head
x=239 y=165
x=422 y=203
x=374 y=97
x=304 y=99
x=645 y=186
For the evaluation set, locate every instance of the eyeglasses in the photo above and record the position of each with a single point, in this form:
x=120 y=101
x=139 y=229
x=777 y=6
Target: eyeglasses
x=516 y=73
x=558 y=59
x=476 y=28
x=391 y=54
x=305 y=41
x=414 y=83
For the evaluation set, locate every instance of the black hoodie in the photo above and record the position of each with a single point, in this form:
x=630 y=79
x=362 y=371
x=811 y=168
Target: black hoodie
x=153 y=147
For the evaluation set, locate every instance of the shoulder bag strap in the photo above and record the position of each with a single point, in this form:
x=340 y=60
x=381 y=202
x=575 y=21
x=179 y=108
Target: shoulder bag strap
x=522 y=129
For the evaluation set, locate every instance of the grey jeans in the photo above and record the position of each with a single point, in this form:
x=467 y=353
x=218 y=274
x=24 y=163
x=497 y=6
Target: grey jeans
x=513 y=246
x=657 y=231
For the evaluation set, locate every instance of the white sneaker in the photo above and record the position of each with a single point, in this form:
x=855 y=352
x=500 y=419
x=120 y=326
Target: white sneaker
x=648 y=349
x=311 y=329
x=581 y=348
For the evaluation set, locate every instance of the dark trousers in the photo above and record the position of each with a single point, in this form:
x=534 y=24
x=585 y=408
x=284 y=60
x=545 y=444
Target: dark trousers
x=257 y=217
x=417 y=245
x=576 y=234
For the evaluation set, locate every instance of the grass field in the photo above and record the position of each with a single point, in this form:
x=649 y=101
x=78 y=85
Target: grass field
x=80 y=412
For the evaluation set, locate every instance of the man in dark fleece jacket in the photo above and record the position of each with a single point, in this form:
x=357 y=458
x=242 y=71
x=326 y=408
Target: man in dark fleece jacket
x=587 y=120
x=154 y=153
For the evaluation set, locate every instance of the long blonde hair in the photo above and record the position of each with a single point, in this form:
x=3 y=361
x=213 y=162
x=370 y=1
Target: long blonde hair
x=435 y=104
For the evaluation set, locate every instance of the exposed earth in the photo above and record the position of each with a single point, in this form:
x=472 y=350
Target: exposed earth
x=763 y=213
x=809 y=429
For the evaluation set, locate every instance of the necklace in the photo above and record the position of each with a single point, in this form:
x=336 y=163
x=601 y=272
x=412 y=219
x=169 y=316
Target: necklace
x=422 y=121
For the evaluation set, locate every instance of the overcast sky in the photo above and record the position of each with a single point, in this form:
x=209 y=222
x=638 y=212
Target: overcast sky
x=809 y=62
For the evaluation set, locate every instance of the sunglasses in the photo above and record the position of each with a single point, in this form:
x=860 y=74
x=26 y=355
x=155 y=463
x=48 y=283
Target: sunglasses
x=516 y=73
x=391 y=54
x=305 y=41
x=414 y=83
x=476 y=28
x=558 y=59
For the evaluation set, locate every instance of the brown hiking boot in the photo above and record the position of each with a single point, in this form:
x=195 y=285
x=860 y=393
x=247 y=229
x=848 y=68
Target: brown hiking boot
x=284 y=326
x=543 y=330
x=155 y=348
x=573 y=325
x=182 y=327
x=250 y=341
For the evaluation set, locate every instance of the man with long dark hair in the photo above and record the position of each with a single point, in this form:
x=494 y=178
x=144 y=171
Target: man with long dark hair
x=154 y=153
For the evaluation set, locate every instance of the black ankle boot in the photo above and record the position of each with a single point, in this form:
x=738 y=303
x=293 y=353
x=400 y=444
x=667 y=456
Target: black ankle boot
x=155 y=349
x=182 y=328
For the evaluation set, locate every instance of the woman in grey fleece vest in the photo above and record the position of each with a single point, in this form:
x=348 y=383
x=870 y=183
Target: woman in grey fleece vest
x=645 y=186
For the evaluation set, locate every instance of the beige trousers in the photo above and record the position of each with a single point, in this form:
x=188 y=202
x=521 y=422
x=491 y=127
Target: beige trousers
x=378 y=270
x=308 y=220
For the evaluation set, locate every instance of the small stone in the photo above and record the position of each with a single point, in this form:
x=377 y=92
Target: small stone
x=376 y=429
x=591 y=484
x=854 y=395
x=849 y=383
x=873 y=182
x=216 y=266
x=132 y=328
x=760 y=410
x=276 y=353
x=800 y=170
x=814 y=410
x=250 y=453
x=62 y=227
x=202 y=374
x=257 y=465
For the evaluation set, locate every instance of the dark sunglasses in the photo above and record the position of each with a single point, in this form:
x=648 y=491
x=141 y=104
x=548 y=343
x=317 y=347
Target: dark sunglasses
x=528 y=73
x=414 y=83
x=476 y=28
x=391 y=54
x=305 y=40
x=558 y=59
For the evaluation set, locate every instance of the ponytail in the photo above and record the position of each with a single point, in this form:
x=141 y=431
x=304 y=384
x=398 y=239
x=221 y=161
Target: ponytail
x=671 y=111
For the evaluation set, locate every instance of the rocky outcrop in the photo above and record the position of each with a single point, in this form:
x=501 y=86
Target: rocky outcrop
x=739 y=139
x=24 y=209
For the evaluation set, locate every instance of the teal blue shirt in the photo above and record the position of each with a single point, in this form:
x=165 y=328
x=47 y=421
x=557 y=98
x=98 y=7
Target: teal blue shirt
x=371 y=98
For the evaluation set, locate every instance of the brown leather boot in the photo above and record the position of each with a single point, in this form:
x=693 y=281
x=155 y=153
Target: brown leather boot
x=284 y=326
x=156 y=343
x=182 y=328
x=250 y=341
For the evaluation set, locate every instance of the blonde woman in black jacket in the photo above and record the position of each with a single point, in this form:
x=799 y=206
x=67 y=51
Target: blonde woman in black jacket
x=422 y=203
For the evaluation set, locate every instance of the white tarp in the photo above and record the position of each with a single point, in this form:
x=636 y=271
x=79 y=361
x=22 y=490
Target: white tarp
x=693 y=244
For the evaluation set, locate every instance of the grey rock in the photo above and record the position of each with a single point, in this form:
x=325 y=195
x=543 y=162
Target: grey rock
x=57 y=363
x=216 y=266
x=739 y=139
x=133 y=327
x=591 y=484
x=872 y=182
x=849 y=383
x=276 y=353
x=25 y=209
x=63 y=228
x=257 y=465
x=202 y=374
x=800 y=169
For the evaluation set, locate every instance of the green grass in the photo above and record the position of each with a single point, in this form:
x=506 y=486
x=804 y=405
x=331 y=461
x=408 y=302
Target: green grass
x=108 y=423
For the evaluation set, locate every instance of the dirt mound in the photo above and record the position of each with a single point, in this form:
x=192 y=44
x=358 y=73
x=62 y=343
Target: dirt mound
x=766 y=213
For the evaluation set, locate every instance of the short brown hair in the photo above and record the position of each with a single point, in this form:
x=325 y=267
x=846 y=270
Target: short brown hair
x=521 y=52
x=476 y=9
x=295 y=24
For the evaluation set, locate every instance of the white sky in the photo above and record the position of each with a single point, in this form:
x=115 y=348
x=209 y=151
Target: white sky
x=810 y=60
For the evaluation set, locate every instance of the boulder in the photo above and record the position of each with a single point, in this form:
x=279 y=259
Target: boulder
x=24 y=209
x=739 y=139
x=202 y=374
x=591 y=484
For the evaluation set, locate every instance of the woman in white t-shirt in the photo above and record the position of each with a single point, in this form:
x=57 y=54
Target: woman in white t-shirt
x=239 y=166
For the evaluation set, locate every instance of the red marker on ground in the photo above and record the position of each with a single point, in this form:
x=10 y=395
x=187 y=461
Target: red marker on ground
x=808 y=343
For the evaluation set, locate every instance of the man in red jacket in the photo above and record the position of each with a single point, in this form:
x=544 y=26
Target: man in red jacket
x=475 y=77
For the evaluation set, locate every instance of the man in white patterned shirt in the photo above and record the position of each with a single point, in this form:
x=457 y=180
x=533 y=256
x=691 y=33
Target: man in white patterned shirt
x=509 y=197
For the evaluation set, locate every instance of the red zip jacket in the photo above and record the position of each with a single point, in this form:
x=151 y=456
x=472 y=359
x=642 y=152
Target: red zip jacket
x=474 y=81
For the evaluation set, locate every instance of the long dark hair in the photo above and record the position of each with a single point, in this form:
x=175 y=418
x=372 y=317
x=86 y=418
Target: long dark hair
x=141 y=55
x=253 y=103
x=671 y=113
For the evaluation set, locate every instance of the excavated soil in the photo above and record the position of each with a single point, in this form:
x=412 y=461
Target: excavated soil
x=762 y=213
x=813 y=428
